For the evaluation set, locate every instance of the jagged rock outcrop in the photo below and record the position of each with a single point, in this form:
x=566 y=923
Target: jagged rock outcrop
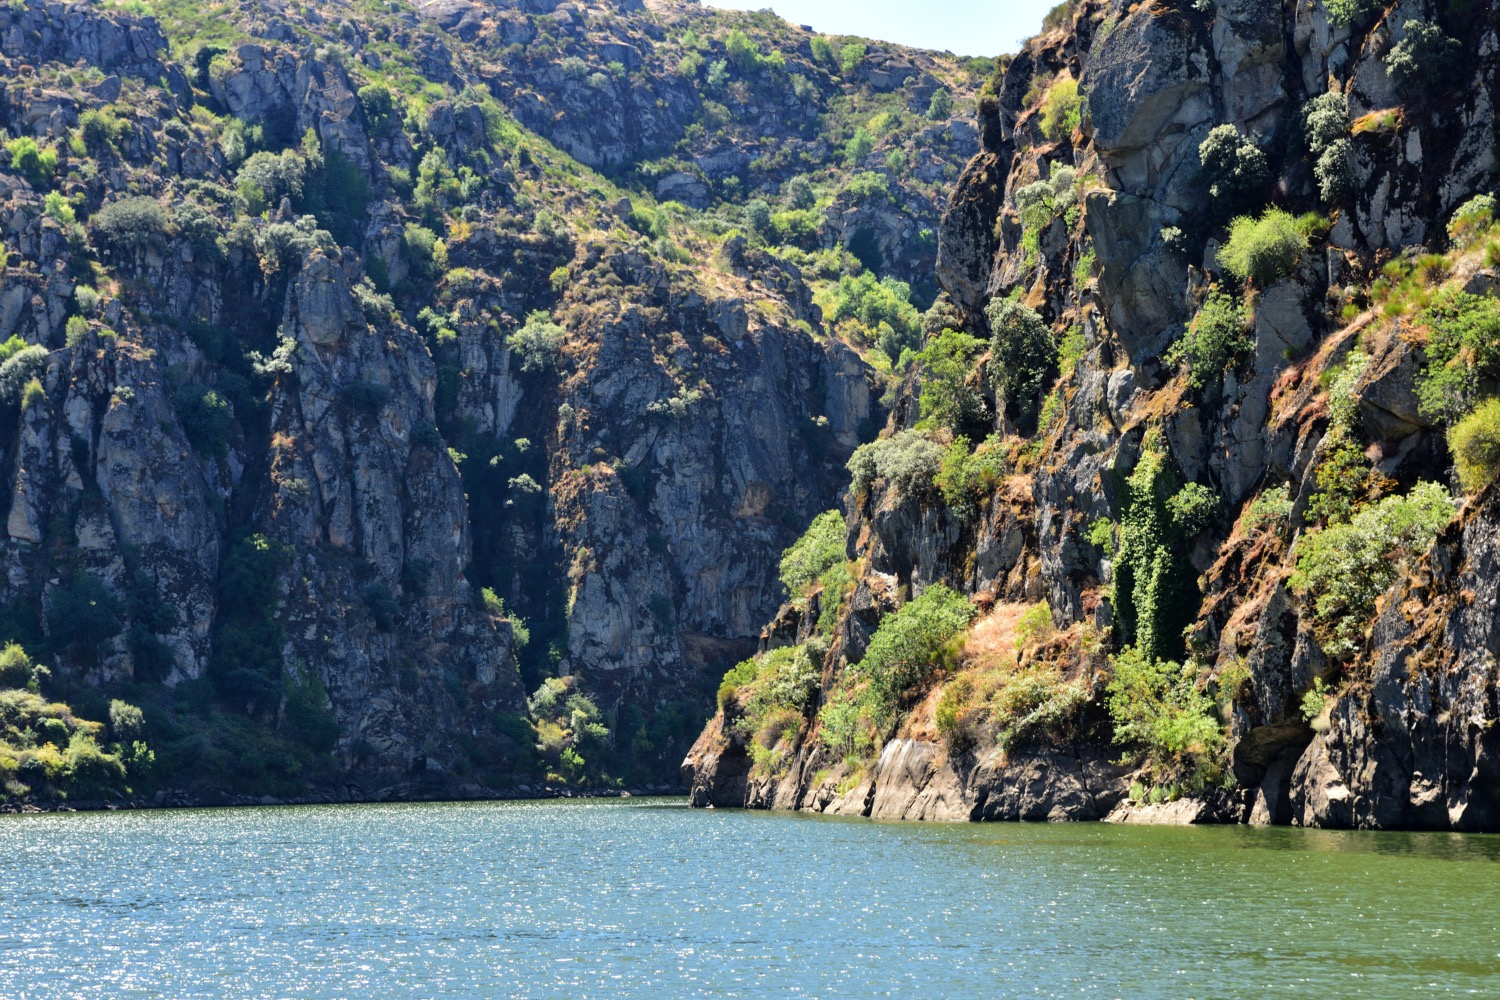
x=1402 y=736
x=338 y=373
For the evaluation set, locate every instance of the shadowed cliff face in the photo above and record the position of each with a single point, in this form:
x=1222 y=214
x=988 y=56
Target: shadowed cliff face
x=1375 y=713
x=349 y=403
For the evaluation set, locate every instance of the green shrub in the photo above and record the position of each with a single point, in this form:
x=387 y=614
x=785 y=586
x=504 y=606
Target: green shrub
x=1214 y=341
x=859 y=146
x=55 y=206
x=99 y=129
x=867 y=309
x=1325 y=121
x=16 y=668
x=819 y=549
x=1462 y=353
x=1062 y=109
x=130 y=226
x=1157 y=706
x=1153 y=586
x=33 y=395
x=126 y=722
x=1347 y=11
x=1344 y=568
x=266 y=178
x=1234 y=166
x=911 y=643
x=537 y=342
x=1425 y=61
x=1192 y=509
x=19 y=369
x=1272 y=508
x=966 y=480
x=947 y=398
x=379 y=107
x=1475 y=443
x=205 y=417
x=940 y=108
x=850 y=56
x=1023 y=356
x=427 y=253
x=1263 y=250
x=1472 y=220
x=29 y=160
x=906 y=462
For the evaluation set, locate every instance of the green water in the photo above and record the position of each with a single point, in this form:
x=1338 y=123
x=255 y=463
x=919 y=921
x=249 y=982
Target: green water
x=647 y=898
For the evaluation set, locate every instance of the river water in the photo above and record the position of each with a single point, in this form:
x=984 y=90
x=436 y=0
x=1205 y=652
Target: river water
x=647 y=898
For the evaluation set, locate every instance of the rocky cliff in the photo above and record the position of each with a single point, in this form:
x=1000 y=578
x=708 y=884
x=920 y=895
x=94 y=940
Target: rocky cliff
x=1223 y=287
x=416 y=398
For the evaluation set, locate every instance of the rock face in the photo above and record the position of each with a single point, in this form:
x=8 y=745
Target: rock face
x=1403 y=738
x=338 y=373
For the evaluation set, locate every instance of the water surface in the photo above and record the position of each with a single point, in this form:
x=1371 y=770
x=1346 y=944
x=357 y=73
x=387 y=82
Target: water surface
x=648 y=898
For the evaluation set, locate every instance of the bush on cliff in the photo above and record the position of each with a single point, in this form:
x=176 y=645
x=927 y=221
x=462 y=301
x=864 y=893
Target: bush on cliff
x=1475 y=443
x=819 y=549
x=1215 y=339
x=906 y=462
x=1234 y=167
x=1262 y=250
x=1023 y=355
x=1344 y=568
x=1158 y=707
x=948 y=400
x=1463 y=353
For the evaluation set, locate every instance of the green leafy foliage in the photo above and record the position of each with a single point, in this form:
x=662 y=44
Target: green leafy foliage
x=1462 y=354
x=1471 y=220
x=537 y=342
x=1347 y=11
x=570 y=729
x=1344 y=568
x=906 y=462
x=36 y=164
x=940 y=108
x=1153 y=586
x=1475 y=443
x=819 y=549
x=1234 y=167
x=1214 y=341
x=1425 y=60
x=1023 y=356
x=948 y=400
x=866 y=309
x=1061 y=110
x=966 y=480
x=1158 y=708
x=907 y=647
x=1325 y=121
x=22 y=363
x=131 y=226
x=1263 y=249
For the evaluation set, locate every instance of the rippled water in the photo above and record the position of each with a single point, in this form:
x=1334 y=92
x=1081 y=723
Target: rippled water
x=649 y=898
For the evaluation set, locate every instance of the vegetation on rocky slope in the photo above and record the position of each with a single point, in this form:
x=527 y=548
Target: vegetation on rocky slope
x=416 y=399
x=1235 y=271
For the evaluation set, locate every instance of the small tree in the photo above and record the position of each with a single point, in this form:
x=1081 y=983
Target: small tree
x=940 y=108
x=1475 y=443
x=1023 y=353
x=1262 y=250
x=1425 y=60
x=536 y=342
x=1234 y=166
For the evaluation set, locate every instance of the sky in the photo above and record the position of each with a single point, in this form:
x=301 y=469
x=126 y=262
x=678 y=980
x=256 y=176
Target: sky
x=967 y=27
